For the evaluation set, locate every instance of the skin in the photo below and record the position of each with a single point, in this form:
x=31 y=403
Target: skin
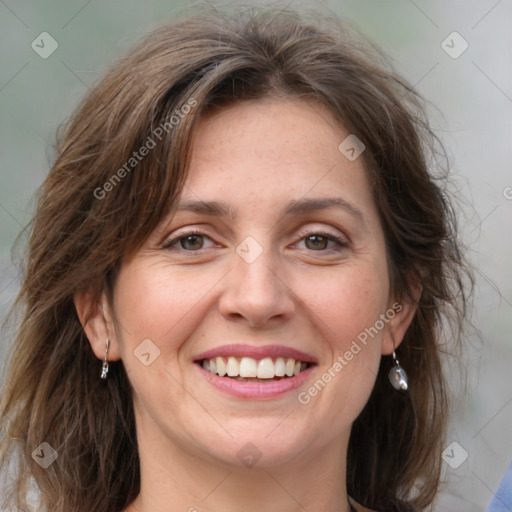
x=257 y=156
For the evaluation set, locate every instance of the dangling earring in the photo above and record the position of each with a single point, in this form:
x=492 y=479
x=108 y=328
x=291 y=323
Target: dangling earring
x=397 y=375
x=104 y=367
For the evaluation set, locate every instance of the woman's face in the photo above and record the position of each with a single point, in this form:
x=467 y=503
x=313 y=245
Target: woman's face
x=262 y=281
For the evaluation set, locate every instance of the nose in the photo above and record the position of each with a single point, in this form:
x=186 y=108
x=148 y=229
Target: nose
x=257 y=292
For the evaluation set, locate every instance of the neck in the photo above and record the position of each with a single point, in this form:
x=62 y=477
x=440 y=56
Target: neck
x=193 y=482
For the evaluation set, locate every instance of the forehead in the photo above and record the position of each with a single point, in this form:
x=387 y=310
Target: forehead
x=275 y=125
x=270 y=150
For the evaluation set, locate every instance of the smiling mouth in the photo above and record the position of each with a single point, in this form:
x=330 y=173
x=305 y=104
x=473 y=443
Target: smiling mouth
x=248 y=369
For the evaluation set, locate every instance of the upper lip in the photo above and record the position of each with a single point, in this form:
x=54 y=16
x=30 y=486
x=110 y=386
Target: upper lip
x=256 y=352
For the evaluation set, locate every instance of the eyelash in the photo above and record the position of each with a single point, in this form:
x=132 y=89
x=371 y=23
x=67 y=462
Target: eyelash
x=341 y=243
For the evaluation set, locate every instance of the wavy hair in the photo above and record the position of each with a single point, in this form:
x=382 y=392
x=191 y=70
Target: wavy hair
x=80 y=233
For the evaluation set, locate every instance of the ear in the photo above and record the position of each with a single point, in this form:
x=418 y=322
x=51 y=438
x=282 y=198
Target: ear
x=96 y=319
x=398 y=324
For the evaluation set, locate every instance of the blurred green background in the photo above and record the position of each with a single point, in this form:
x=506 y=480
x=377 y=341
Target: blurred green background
x=471 y=97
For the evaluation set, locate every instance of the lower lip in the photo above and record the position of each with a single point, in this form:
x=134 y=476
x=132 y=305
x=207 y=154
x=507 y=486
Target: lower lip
x=260 y=390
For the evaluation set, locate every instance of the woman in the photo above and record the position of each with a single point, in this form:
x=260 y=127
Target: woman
x=236 y=280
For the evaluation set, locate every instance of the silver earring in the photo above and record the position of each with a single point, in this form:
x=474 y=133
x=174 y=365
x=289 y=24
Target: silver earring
x=397 y=375
x=104 y=367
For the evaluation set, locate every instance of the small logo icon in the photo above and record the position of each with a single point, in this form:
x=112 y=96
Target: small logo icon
x=45 y=455
x=454 y=455
x=147 y=352
x=454 y=45
x=351 y=147
x=249 y=249
x=44 y=45
x=507 y=192
x=249 y=455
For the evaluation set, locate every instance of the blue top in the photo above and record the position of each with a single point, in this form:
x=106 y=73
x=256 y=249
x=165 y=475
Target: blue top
x=502 y=501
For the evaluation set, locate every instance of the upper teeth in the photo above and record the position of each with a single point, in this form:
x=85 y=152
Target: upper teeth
x=266 y=368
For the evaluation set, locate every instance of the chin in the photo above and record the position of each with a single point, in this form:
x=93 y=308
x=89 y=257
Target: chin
x=247 y=448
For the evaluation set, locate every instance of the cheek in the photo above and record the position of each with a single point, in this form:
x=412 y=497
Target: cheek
x=346 y=302
x=154 y=302
x=158 y=303
x=347 y=306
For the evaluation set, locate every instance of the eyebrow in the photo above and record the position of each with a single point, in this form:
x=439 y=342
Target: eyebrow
x=296 y=207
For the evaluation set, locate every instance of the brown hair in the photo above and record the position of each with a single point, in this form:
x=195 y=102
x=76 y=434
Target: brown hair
x=83 y=227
